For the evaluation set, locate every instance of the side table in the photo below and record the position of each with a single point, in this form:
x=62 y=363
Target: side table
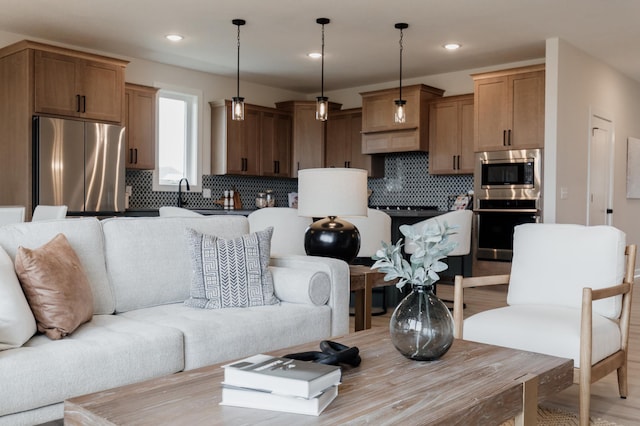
x=362 y=279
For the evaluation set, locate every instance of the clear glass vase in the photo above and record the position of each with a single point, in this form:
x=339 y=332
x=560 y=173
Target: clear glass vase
x=421 y=326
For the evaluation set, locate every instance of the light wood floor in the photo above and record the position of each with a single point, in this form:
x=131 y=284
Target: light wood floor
x=605 y=401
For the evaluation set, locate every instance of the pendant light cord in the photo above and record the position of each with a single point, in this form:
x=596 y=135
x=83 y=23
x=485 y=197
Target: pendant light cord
x=322 y=66
x=401 y=47
x=238 y=68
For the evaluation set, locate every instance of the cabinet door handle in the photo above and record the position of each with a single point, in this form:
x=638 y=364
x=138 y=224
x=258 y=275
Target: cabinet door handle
x=136 y=153
x=458 y=168
x=509 y=138
x=454 y=162
x=84 y=104
x=504 y=138
x=130 y=155
x=77 y=103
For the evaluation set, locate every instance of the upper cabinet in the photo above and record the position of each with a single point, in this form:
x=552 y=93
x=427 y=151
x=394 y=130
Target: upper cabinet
x=140 y=123
x=78 y=86
x=451 y=136
x=344 y=144
x=509 y=109
x=380 y=134
x=308 y=134
x=275 y=149
x=259 y=145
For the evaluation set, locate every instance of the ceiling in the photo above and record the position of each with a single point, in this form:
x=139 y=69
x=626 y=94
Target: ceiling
x=361 y=43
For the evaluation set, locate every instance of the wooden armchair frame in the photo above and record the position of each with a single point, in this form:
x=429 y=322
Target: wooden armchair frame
x=587 y=373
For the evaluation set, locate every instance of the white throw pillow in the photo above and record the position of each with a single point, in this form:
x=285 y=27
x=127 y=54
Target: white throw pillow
x=17 y=323
x=231 y=273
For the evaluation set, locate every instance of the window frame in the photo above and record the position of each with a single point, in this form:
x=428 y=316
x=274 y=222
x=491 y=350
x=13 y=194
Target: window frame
x=194 y=98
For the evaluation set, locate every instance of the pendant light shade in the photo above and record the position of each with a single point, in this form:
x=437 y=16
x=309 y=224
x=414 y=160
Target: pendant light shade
x=237 y=104
x=322 y=102
x=400 y=110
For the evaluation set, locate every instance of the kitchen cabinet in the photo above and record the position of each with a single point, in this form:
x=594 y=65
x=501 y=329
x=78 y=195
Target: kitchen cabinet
x=140 y=123
x=23 y=86
x=275 y=149
x=259 y=145
x=451 y=135
x=308 y=134
x=234 y=143
x=73 y=86
x=380 y=134
x=509 y=109
x=344 y=144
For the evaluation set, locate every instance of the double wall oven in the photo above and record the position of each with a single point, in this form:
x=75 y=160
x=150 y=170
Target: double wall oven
x=508 y=192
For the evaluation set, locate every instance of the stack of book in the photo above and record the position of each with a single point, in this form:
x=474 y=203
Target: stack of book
x=280 y=384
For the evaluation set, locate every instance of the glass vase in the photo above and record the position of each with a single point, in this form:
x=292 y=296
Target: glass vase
x=421 y=326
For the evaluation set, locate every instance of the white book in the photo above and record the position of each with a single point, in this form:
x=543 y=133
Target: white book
x=283 y=376
x=248 y=398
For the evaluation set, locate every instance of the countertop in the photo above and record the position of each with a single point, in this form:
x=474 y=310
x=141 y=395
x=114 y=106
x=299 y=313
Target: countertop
x=390 y=212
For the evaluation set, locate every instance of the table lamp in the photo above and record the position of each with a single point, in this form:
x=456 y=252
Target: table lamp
x=326 y=194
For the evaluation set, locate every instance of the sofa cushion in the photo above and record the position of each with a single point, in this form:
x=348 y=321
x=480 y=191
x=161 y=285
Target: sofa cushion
x=551 y=266
x=107 y=352
x=230 y=273
x=17 y=324
x=56 y=287
x=217 y=335
x=84 y=235
x=148 y=257
x=550 y=330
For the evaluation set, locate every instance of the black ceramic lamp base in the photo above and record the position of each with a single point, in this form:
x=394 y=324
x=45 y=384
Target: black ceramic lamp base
x=332 y=237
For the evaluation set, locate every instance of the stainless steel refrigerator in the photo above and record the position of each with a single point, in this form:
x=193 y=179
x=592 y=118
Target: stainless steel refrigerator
x=79 y=164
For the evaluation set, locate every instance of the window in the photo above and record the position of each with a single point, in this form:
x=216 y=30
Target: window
x=178 y=151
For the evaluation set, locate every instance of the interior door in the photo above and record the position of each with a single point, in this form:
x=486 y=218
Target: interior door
x=600 y=195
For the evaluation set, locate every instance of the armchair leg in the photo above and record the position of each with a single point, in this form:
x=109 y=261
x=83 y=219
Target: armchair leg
x=585 y=402
x=622 y=381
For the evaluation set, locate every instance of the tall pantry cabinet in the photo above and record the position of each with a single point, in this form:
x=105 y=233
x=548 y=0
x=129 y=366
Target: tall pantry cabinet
x=38 y=79
x=509 y=109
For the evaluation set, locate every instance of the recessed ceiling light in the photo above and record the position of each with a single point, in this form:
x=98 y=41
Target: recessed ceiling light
x=315 y=55
x=174 y=37
x=452 y=46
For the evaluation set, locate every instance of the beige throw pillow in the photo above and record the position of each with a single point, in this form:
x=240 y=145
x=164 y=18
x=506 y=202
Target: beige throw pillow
x=56 y=287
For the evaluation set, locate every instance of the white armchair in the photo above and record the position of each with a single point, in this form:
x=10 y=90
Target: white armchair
x=43 y=212
x=374 y=228
x=288 y=228
x=569 y=296
x=172 y=211
x=11 y=214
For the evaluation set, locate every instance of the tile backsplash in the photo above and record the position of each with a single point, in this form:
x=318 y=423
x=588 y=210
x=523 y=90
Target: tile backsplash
x=406 y=183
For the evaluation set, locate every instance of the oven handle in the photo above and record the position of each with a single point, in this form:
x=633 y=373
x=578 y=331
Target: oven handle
x=532 y=211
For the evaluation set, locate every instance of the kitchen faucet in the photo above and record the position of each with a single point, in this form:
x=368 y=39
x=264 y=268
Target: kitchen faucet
x=182 y=202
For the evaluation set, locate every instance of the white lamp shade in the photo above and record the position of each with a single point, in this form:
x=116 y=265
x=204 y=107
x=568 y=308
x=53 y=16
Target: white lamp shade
x=332 y=192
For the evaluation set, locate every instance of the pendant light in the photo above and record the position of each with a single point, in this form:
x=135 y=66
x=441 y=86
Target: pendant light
x=237 y=104
x=401 y=113
x=322 y=103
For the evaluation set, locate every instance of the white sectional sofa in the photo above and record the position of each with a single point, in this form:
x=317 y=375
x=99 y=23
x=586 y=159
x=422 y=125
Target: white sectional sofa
x=140 y=272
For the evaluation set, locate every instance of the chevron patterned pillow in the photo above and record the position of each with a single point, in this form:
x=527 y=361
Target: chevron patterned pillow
x=231 y=273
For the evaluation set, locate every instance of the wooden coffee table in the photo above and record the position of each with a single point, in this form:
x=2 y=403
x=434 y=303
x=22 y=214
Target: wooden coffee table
x=471 y=384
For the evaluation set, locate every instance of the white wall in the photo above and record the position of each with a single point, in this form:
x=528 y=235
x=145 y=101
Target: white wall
x=586 y=85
